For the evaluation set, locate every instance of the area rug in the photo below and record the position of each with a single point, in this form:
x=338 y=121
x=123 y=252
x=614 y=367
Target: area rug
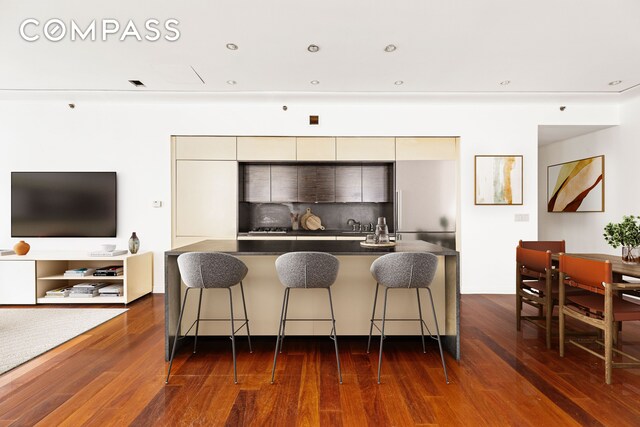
x=29 y=332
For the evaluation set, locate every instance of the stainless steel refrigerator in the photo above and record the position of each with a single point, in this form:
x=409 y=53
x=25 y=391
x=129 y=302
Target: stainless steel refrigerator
x=425 y=204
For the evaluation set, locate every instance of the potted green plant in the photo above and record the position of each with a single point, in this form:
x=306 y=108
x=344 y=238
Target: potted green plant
x=627 y=235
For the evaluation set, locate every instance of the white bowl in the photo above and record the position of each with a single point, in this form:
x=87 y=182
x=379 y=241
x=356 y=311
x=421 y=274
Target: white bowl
x=108 y=248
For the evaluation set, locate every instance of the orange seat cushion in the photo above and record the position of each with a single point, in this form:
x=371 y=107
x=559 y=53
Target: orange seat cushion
x=622 y=309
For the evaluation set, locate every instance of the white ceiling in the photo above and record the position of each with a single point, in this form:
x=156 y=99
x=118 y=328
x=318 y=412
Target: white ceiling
x=443 y=46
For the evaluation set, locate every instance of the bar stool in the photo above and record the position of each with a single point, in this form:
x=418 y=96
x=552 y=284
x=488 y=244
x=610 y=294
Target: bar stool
x=212 y=270
x=305 y=270
x=405 y=270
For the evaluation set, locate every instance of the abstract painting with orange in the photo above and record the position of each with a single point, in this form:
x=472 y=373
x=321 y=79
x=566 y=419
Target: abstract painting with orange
x=576 y=186
x=498 y=180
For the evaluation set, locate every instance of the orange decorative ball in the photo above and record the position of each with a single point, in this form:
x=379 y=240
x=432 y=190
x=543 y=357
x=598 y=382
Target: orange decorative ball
x=21 y=248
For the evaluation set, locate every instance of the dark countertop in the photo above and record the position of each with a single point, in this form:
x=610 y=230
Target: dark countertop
x=327 y=233
x=279 y=247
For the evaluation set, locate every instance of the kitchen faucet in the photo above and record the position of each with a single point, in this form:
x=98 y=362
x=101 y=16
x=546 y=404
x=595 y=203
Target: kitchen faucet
x=355 y=224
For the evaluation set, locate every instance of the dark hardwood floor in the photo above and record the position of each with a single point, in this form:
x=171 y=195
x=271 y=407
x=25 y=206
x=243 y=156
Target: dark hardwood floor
x=114 y=375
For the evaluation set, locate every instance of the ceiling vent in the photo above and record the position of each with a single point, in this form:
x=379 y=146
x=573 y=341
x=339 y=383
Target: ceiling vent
x=137 y=83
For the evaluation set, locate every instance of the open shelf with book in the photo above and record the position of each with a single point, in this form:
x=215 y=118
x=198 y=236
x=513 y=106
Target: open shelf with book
x=50 y=267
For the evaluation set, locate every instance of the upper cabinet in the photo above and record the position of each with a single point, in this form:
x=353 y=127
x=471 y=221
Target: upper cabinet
x=426 y=148
x=316 y=149
x=365 y=149
x=284 y=183
x=349 y=184
x=205 y=147
x=376 y=183
x=316 y=183
x=257 y=183
x=262 y=148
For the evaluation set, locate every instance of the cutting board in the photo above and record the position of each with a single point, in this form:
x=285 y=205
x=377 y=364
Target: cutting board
x=314 y=223
x=303 y=219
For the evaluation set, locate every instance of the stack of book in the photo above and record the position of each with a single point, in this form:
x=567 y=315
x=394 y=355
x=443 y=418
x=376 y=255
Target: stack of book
x=7 y=252
x=59 y=293
x=79 y=272
x=110 y=270
x=86 y=290
x=115 y=290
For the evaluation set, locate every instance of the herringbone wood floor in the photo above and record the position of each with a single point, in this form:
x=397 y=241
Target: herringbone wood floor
x=114 y=375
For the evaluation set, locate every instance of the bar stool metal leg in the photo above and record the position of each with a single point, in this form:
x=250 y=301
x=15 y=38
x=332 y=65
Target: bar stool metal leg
x=275 y=355
x=246 y=319
x=233 y=339
x=335 y=335
x=435 y=319
x=284 y=319
x=373 y=315
x=424 y=349
x=175 y=340
x=384 y=316
x=195 y=339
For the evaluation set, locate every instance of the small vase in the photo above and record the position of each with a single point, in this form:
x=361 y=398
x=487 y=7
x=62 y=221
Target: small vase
x=134 y=243
x=630 y=255
x=21 y=248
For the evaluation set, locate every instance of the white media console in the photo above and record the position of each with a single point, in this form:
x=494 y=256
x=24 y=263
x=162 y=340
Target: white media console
x=26 y=279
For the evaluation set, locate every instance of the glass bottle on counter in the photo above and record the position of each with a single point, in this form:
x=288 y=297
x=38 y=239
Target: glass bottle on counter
x=382 y=230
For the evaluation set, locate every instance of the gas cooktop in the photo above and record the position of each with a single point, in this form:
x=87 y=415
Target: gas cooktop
x=269 y=230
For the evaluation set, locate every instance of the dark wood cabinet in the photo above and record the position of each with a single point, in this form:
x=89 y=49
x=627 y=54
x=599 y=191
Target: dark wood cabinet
x=376 y=183
x=326 y=184
x=284 y=183
x=257 y=183
x=316 y=183
x=348 y=183
x=319 y=182
x=306 y=183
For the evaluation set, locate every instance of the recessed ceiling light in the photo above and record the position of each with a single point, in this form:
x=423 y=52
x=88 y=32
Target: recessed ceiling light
x=615 y=82
x=315 y=82
x=505 y=82
x=398 y=82
x=231 y=82
x=390 y=48
x=313 y=48
x=232 y=46
x=137 y=83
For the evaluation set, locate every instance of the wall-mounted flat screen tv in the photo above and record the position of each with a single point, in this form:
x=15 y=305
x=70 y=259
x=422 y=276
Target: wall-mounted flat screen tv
x=63 y=204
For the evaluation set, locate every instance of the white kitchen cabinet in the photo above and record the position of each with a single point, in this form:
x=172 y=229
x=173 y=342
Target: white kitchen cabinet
x=205 y=147
x=17 y=282
x=365 y=149
x=206 y=194
x=426 y=148
x=316 y=148
x=252 y=148
x=316 y=238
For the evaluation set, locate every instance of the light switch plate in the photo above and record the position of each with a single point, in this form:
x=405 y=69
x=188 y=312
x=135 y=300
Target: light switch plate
x=523 y=217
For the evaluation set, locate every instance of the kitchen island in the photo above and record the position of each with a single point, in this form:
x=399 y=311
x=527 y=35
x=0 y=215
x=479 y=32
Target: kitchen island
x=353 y=291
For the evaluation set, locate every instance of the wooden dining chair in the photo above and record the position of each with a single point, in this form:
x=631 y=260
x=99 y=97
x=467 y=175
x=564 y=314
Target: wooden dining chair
x=601 y=306
x=537 y=286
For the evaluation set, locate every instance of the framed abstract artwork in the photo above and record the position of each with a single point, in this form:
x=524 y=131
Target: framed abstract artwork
x=498 y=180
x=576 y=186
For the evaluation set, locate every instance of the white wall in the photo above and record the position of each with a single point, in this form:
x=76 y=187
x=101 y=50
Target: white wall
x=621 y=148
x=131 y=137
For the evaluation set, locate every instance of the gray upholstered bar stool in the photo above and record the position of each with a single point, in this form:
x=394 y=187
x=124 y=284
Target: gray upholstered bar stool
x=212 y=270
x=406 y=270
x=306 y=270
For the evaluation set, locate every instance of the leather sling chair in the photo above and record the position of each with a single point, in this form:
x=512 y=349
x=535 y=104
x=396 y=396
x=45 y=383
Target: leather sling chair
x=601 y=306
